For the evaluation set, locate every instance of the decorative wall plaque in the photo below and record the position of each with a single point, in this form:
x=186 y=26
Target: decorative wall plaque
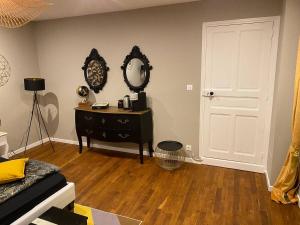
x=95 y=71
x=4 y=71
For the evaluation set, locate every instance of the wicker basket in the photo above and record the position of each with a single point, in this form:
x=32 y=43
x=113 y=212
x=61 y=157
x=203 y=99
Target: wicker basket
x=169 y=155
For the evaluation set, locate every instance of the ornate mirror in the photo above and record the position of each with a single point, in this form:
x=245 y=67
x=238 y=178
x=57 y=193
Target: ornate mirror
x=136 y=70
x=95 y=71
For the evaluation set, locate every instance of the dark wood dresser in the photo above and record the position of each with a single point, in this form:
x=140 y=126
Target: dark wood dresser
x=115 y=125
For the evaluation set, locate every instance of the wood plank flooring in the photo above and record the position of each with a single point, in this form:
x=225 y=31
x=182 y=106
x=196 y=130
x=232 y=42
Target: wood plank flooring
x=194 y=194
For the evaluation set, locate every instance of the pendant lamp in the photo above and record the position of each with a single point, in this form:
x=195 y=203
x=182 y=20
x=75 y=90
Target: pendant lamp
x=16 y=13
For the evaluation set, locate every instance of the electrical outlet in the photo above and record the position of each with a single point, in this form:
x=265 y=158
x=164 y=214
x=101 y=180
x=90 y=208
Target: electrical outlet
x=188 y=148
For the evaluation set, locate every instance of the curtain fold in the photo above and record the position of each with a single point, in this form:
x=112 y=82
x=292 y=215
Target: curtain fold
x=286 y=186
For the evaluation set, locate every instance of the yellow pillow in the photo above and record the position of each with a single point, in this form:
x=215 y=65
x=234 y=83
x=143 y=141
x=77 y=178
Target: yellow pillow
x=12 y=170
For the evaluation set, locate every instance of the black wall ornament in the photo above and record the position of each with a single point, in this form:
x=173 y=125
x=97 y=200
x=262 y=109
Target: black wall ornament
x=95 y=71
x=136 y=70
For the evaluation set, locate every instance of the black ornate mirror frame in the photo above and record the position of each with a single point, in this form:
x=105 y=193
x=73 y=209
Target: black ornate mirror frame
x=94 y=55
x=136 y=53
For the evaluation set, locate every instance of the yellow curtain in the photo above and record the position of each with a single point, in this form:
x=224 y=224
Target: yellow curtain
x=286 y=186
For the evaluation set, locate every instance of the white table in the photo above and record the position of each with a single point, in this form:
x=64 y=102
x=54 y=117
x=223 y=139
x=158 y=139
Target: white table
x=3 y=145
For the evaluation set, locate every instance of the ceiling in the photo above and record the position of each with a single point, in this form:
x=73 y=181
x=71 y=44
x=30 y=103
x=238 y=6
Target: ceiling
x=70 y=8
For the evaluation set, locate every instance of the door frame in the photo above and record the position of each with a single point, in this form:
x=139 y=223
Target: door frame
x=272 y=77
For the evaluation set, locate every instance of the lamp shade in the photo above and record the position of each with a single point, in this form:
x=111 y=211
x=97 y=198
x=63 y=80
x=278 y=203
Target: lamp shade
x=34 y=84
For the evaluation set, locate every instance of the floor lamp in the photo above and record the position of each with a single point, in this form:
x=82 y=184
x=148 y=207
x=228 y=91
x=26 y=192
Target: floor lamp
x=35 y=85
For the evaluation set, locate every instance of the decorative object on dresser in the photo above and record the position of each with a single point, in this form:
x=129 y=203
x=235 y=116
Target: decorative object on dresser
x=135 y=102
x=83 y=92
x=136 y=70
x=126 y=102
x=35 y=85
x=95 y=71
x=115 y=125
x=3 y=145
x=120 y=104
x=4 y=71
x=140 y=103
x=101 y=105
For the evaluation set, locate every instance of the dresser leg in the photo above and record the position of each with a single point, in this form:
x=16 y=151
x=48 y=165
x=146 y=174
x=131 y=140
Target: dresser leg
x=150 y=145
x=80 y=143
x=141 y=147
x=88 y=140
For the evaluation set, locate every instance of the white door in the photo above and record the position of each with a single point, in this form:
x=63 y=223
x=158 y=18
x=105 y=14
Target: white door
x=237 y=84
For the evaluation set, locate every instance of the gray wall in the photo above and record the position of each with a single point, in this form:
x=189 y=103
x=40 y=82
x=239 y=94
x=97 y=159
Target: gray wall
x=288 y=46
x=169 y=36
x=17 y=45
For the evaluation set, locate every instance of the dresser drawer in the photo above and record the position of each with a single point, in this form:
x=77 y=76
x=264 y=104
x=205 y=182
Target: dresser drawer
x=117 y=122
x=117 y=135
x=87 y=132
x=85 y=120
x=124 y=122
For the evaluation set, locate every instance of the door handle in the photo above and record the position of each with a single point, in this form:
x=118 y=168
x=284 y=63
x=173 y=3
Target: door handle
x=208 y=94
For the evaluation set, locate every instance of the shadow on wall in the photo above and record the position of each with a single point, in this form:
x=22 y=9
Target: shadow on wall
x=50 y=105
x=167 y=129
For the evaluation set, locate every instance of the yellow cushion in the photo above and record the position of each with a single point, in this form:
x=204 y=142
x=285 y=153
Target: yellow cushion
x=12 y=170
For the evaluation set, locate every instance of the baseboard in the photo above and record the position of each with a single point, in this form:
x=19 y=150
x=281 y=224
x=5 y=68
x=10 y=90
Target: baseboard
x=34 y=144
x=106 y=147
x=270 y=187
x=229 y=164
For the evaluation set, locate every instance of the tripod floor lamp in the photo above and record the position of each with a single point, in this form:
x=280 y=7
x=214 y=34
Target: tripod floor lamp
x=35 y=85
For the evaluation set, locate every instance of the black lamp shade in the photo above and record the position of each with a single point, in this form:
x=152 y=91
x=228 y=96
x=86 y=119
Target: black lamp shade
x=34 y=84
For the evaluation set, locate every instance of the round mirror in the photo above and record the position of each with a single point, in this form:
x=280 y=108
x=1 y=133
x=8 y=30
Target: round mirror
x=136 y=70
x=136 y=73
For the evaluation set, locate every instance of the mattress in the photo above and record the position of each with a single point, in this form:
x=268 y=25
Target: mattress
x=24 y=201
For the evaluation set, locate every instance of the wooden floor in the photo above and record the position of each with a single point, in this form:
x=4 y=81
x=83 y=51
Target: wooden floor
x=194 y=194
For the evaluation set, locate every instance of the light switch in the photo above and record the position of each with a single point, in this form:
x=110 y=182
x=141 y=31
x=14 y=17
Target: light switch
x=189 y=87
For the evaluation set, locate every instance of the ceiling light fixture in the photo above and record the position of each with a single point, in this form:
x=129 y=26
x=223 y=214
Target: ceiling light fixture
x=16 y=13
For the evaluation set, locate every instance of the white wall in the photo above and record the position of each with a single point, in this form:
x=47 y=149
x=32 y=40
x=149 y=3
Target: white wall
x=17 y=45
x=286 y=67
x=170 y=37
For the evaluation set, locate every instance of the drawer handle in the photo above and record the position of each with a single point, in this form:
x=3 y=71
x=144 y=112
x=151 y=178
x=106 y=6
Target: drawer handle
x=103 y=121
x=124 y=136
x=89 y=131
x=104 y=134
x=123 y=121
x=88 y=118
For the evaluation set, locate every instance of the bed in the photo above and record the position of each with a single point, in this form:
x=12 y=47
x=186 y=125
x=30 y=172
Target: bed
x=30 y=203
